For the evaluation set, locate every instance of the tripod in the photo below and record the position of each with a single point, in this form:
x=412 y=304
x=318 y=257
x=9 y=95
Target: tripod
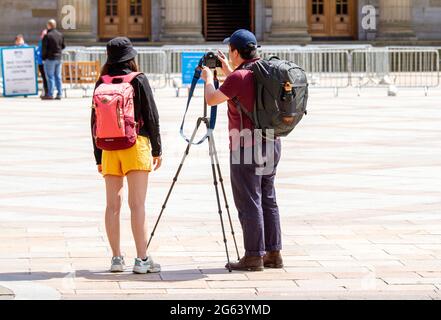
x=217 y=177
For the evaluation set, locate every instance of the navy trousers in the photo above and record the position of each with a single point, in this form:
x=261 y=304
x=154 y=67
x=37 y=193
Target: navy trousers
x=255 y=198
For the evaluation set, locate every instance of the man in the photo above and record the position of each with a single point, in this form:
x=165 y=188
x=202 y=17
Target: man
x=254 y=193
x=52 y=47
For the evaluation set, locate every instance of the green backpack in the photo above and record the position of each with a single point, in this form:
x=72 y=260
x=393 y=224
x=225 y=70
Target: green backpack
x=281 y=96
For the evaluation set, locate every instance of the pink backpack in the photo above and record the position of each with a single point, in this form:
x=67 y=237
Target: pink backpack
x=115 y=127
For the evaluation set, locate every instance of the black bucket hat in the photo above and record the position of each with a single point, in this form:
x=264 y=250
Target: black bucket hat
x=119 y=50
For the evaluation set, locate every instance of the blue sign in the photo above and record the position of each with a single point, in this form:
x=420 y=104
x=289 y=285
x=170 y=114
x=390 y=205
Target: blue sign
x=190 y=61
x=19 y=71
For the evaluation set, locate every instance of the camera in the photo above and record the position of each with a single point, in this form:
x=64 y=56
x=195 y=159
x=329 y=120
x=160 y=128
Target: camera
x=210 y=60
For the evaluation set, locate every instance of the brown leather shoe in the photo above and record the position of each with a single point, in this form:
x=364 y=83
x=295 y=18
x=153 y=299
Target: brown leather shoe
x=247 y=264
x=273 y=259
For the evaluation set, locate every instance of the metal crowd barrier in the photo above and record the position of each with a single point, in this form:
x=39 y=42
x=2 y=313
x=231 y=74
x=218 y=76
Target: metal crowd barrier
x=152 y=62
x=327 y=66
x=404 y=67
x=174 y=57
x=67 y=57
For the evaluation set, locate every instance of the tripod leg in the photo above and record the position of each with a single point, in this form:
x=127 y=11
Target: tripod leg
x=175 y=179
x=213 y=168
x=221 y=180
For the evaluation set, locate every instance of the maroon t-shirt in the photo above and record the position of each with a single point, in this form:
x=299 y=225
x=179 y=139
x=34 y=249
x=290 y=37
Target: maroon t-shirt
x=239 y=84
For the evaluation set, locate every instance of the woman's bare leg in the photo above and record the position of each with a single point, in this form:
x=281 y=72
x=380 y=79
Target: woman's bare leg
x=114 y=197
x=137 y=182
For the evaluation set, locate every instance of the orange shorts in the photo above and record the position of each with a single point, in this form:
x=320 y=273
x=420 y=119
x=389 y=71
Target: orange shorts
x=121 y=162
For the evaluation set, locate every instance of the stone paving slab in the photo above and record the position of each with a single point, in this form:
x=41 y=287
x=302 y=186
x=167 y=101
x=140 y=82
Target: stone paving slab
x=358 y=189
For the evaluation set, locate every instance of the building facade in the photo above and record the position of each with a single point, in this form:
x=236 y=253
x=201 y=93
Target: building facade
x=198 y=21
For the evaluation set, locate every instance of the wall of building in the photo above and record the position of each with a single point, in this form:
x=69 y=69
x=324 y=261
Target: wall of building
x=427 y=19
x=367 y=35
x=157 y=14
x=26 y=17
x=29 y=18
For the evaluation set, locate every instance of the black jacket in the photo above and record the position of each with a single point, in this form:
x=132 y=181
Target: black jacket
x=145 y=107
x=53 y=45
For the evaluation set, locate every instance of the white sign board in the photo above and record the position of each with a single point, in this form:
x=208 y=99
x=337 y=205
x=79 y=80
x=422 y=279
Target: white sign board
x=19 y=71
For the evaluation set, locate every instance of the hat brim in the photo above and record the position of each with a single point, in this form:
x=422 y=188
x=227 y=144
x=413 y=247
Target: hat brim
x=226 y=41
x=128 y=56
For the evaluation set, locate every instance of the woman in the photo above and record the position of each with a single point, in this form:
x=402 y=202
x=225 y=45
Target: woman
x=135 y=162
x=40 y=63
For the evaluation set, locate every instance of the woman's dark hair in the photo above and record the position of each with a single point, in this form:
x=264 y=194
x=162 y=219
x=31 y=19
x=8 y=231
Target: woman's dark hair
x=131 y=64
x=246 y=53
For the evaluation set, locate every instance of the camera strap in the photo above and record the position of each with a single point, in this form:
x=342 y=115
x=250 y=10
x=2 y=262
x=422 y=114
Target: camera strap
x=213 y=113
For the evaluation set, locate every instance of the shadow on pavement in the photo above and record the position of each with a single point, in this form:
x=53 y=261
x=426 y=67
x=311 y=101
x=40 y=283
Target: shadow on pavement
x=173 y=275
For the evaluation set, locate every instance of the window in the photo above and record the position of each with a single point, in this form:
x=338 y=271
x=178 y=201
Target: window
x=342 y=7
x=111 y=8
x=318 y=7
x=136 y=7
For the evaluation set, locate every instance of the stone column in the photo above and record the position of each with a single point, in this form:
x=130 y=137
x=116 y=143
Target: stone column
x=182 y=21
x=396 y=20
x=289 y=22
x=86 y=16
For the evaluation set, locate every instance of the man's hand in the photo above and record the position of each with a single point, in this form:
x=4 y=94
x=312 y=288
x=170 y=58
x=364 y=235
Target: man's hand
x=157 y=162
x=100 y=168
x=226 y=68
x=207 y=74
x=212 y=96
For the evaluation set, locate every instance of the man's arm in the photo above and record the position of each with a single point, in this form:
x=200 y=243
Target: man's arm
x=212 y=96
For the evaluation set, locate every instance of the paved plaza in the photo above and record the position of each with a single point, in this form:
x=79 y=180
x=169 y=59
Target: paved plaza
x=359 y=188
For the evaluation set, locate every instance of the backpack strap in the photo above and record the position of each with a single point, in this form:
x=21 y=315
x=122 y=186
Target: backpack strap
x=127 y=78
x=240 y=108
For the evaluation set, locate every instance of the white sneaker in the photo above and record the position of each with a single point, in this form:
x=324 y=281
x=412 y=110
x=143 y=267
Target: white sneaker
x=147 y=266
x=118 y=264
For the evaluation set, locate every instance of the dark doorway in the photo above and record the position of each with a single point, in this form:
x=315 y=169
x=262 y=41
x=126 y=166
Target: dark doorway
x=223 y=17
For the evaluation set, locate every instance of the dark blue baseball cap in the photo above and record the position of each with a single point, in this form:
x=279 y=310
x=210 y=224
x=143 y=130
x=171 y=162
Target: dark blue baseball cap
x=241 y=39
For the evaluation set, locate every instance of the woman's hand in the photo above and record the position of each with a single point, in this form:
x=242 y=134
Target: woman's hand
x=100 y=168
x=226 y=68
x=157 y=162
